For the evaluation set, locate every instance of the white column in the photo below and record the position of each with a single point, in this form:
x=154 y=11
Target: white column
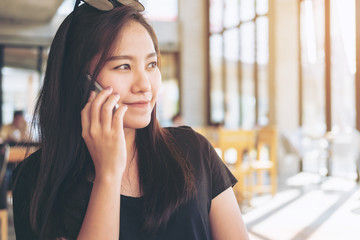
x=284 y=77
x=193 y=36
x=286 y=72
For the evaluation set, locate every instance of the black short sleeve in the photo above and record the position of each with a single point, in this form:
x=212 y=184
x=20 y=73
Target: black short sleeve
x=190 y=221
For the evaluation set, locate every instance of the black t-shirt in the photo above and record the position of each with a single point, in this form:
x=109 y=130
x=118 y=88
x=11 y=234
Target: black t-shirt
x=190 y=221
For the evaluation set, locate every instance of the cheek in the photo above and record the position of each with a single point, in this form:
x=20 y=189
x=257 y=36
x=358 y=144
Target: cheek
x=156 y=82
x=119 y=86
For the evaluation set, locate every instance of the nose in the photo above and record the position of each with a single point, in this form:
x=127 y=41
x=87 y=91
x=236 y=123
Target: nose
x=141 y=81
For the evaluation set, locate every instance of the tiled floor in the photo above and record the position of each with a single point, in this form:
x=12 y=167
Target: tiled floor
x=311 y=207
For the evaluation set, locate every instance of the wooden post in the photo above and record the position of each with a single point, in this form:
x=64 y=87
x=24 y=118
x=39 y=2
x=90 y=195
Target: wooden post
x=357 y=76
x=207 y=55
x=2 y=47
x=301 y=82
x=256 y=71
x=327 y=66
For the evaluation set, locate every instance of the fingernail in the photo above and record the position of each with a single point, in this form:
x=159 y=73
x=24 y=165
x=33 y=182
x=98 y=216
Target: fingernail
x=109 y=88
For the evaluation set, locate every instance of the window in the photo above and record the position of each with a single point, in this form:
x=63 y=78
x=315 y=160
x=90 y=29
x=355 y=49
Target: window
x=238 y=65
x=339 y=73
x=21 y=76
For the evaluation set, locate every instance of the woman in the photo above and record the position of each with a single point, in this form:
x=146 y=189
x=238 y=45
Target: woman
x=108 y=172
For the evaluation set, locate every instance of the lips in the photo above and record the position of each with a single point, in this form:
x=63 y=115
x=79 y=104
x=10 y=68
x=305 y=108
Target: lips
x=139 y=104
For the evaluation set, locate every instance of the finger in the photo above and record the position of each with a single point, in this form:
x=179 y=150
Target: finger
x=118 y=119
x=107 y=111
x=96 y=106
x=85 y=113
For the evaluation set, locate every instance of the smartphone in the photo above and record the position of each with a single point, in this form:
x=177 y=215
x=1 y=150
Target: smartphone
x=98 y=89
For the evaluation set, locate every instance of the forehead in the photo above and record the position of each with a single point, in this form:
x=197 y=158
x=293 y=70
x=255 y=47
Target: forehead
x=134 y=36
x=133 y=39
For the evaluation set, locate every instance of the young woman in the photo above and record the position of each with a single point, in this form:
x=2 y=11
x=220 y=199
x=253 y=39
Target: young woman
x=105 y=168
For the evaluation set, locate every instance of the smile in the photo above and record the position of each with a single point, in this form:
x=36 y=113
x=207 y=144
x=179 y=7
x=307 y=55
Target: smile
x=138 y=104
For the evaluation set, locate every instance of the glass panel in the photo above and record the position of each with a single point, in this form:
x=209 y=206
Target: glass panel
x=247 y=40
x=216 y=14
x=263 y=95
x=247 y=9
x=262 y=6
x=262 y=35
x=231 y=58
x=313 y=51
x=231 y=15
x=247 y=97
x=343 y=64
x=247 y=56
x=216 y=70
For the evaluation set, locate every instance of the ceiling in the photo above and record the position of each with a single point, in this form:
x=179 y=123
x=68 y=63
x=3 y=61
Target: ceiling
x=26 y=25
x=28 y=11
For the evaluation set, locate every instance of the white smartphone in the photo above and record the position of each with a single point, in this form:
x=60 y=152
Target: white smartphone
x=98 y=89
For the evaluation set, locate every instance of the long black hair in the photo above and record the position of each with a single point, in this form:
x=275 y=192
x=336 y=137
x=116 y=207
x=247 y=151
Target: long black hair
x=163 y=169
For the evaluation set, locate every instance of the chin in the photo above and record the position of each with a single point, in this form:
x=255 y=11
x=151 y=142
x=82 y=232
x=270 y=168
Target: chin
x=137 y=123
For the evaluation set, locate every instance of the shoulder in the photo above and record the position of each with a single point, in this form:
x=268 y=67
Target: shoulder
x=195 y=147
x=185 y=135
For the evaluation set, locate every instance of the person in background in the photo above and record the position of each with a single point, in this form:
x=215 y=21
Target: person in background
x=106 y=169
x=17 y=131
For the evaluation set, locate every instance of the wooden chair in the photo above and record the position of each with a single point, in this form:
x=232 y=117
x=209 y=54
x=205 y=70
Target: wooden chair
x=267 y=138
x=4 y=155
x=243 y=142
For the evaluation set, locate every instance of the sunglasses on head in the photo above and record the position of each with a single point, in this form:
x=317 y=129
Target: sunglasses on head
x=108 y=5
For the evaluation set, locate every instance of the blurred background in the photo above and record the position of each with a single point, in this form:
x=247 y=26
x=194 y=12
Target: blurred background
x=273 y=84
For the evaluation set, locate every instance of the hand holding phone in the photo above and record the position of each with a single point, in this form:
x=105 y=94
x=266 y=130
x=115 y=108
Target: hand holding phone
x=103 y=132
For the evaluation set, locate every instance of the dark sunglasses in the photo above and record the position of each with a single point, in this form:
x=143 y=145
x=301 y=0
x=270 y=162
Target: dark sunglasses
x=108 y=5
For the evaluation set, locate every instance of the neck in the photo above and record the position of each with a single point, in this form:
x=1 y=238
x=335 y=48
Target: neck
x=130 y=142
x=130 y=180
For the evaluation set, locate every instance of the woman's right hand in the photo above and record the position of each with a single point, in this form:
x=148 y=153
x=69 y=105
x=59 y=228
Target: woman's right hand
x=103 y=133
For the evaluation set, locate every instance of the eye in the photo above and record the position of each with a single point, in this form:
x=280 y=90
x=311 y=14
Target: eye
x=123 y=67
x=153 y=64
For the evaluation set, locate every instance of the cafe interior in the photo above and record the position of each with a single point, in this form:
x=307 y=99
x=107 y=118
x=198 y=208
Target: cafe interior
x=274 y=85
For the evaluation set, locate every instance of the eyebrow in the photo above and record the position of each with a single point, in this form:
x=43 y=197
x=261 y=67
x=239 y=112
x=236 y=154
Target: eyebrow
x=120 y=57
